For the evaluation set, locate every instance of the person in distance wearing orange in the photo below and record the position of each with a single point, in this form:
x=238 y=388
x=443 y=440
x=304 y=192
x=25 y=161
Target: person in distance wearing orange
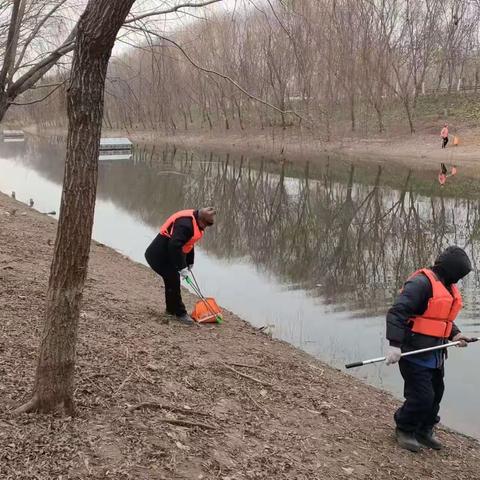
x=444 y=135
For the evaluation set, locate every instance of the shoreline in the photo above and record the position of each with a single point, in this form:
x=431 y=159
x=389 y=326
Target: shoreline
x=275 y=411
x=421 y=152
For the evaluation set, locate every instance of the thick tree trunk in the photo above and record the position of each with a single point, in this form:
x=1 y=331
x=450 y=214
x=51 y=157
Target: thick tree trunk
x=3 y=104
x=97 y=30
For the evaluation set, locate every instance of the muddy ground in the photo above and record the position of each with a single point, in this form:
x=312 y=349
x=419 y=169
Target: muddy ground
x=158 y=400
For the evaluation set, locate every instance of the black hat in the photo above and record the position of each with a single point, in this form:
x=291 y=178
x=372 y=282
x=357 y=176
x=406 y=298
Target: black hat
x=452 y=265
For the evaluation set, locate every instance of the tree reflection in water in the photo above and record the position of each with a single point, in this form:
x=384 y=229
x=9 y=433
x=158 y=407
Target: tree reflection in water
x=359 y=242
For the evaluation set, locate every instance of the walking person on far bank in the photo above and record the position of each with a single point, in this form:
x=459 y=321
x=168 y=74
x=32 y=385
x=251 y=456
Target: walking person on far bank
x=444 y=135
x=171 y=254
x=423 y=316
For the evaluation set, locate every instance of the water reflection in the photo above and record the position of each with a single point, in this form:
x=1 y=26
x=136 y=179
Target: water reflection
x=358 y=242
x=282 y=230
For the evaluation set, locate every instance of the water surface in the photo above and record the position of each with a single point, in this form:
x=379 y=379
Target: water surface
x=316 y=254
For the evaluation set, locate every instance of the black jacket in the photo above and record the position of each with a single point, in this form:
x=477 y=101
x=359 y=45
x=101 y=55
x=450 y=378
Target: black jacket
x=452 y=265
x=166 y=253
x=412 y=301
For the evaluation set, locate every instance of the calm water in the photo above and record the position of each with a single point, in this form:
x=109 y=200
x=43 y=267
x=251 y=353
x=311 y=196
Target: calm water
x=314 y=255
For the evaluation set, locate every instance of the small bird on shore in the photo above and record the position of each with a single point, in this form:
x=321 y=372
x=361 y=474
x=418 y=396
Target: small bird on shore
x=30 y=202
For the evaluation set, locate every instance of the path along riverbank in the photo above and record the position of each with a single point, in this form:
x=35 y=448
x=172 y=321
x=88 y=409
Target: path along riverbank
x=158 y=400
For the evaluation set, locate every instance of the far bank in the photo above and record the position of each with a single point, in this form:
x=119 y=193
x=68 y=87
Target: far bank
x=420 y=151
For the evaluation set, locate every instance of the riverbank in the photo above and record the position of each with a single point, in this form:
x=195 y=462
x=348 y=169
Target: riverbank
x=223 y=402
x=420 y=152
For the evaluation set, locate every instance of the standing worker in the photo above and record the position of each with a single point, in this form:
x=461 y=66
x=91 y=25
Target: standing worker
x=423 y=316
x=171 y=254
x=444 y=135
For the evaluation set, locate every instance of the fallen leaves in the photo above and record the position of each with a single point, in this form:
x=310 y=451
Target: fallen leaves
x=155 y=402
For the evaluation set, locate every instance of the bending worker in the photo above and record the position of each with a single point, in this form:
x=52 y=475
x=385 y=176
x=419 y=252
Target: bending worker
x=172 y=253
x=423 y=316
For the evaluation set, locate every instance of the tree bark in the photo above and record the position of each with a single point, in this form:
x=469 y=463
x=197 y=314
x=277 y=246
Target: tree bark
x=408 y=111
x=97 y=30
x=9 y=56
x=3 y=104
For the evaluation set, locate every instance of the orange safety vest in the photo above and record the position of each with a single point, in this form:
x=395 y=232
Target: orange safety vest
x=167 y=228
x=443 y=308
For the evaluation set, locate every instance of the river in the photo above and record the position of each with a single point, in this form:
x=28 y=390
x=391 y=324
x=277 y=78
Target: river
x=312 y=254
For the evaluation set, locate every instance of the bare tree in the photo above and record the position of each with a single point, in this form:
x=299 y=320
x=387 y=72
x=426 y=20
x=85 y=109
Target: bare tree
x=30 y=32
x=30 y=44
x=324 y=67
x=95 y=37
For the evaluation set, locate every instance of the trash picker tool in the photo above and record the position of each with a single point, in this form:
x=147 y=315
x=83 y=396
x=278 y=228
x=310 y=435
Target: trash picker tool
x=192 y=281
x=408 y=354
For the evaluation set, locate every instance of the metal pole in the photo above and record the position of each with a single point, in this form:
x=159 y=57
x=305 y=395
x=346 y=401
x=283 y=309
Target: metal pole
x=407 y=354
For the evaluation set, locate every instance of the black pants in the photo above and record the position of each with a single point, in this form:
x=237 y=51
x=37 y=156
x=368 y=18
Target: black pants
x=160 y=263
x=445 y=141
x=423 y=393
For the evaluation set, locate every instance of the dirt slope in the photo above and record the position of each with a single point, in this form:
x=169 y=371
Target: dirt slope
x=288 y=417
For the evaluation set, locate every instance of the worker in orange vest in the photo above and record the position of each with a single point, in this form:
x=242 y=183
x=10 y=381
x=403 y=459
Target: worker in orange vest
x=444 y=135
x=423 y=316
x=172 y=254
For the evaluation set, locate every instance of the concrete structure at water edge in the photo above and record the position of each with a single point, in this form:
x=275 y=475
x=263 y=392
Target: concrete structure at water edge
x=109 y=144
x=13 y=136
x=115 y=149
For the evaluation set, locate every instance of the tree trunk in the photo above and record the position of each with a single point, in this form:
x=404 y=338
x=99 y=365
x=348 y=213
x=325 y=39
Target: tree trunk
x=3 y=104
x=381 y=127
x=97 y=30
x=352 y=112
x=408 y=111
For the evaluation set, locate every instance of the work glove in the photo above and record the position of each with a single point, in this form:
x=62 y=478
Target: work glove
x=184 y=273
x=460 y=337
x=393 y=355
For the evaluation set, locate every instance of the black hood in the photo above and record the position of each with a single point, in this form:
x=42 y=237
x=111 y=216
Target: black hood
x=452 y=265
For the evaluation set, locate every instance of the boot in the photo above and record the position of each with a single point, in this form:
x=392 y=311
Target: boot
x=186 y=319
x=428 y=439
x=407 y=440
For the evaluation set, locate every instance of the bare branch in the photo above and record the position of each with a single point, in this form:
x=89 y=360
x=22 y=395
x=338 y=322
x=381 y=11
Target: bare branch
x=9 y=57
x=35 y=32
x=170 y=10
x=221 y=75
x=47 y=85
x=33 y=75
x=40 y=99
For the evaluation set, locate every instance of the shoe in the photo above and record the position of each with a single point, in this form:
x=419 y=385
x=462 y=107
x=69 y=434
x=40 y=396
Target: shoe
x=428 y=439
x=407 y=440
x=186 y=319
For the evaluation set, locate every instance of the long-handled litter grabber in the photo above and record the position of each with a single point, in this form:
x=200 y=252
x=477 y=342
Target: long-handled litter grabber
x=209 y=303
x=407 y=354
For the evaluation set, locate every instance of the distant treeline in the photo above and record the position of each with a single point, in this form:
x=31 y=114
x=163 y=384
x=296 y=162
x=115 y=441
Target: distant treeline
x=329 y=66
